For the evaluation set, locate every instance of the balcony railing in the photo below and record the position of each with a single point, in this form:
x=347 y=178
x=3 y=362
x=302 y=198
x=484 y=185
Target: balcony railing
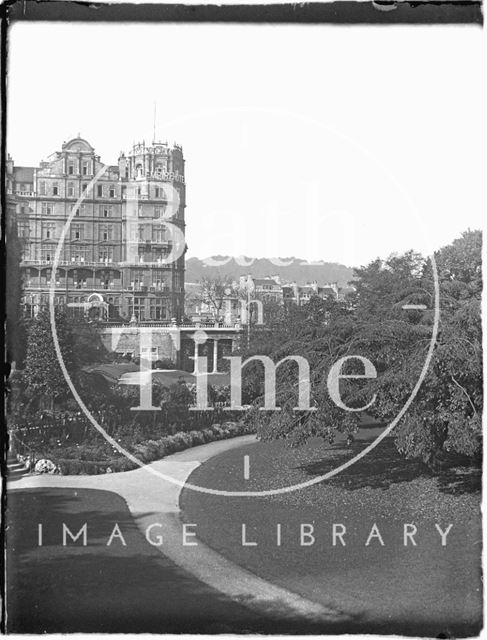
x=77 y=264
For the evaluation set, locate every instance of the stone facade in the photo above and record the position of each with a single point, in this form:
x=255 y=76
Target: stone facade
x=119 y=227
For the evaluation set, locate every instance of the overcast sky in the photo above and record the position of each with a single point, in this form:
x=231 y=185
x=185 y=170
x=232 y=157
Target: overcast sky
x=322 y=142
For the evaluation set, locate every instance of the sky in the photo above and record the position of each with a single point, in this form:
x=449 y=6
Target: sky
x=322 y=142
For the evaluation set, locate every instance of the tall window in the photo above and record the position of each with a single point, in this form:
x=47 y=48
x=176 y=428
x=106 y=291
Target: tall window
x=77 y=231
x=47 y=252
x=42 y=188
x=86 y=168
x=99 y=190
x=157 y=233
x=55 y=189
x=23 y=229
x=105 y=211
x=106 y=254
x=47 y=208
x=70 y=168
x=48 y=230
x=111 y=191
x=70 y=189
x=157 y=192
x=106 y=232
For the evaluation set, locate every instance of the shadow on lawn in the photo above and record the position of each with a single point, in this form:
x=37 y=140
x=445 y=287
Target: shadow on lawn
x=117 y=588
x=384 y=466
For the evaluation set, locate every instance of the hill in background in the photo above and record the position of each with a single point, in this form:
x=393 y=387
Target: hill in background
x=298 y=270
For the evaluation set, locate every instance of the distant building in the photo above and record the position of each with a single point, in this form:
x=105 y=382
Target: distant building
x=100 y=265
x=226 y=308
x=299 y=295
x=270 y=289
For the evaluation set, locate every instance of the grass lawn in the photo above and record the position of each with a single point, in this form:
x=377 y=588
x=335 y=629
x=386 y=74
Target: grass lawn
x=427 y=589
x=100 y=588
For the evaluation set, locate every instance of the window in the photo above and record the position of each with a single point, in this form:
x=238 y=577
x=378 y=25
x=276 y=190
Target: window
x=84 y=186
x=157 y=192
x=42 y=188
x=48 y=230
x=70 y=189
x=70 y=168
x=105 y=211
x=47 y=253
x=99 y=190
x=23 y=229
x=47 y=208
x=79 y=254
x=77 y=231
x=157 y=233
x=106 y=254
x=55 y=189
x=111 y=191
x=158 y=212
x=106 y=231
x=86 y=167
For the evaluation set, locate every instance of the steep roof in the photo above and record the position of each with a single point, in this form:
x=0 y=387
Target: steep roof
x=260 y=282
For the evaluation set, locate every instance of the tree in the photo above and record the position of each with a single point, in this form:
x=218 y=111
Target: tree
x=15 y=328
x=212 y=294
x=446 y=413
x=88 y=347
x=43 y=375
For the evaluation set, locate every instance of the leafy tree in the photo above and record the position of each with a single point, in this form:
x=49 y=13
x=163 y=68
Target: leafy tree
x=88 y=347
x=446 y=414
x=43 y=376
x=15 y=327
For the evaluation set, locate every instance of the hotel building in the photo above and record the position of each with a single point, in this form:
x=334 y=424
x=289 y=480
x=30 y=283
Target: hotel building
x=122 y=257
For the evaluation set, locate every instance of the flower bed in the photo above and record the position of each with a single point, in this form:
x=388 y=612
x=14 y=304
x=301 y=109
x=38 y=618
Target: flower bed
x=151 y=450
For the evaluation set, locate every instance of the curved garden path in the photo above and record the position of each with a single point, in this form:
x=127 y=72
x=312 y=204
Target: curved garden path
x=152 y=499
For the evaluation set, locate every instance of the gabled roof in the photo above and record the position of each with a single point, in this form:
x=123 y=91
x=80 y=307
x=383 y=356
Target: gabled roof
x=263 y=281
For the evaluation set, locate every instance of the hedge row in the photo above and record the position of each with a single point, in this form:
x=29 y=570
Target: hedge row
x=152 y=450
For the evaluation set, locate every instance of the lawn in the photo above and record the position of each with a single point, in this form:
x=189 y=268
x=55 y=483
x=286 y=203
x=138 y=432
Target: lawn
x=427 y=589
x=100 y=588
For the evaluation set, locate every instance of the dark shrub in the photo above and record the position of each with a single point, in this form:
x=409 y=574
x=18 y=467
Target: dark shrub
x=197 y=438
